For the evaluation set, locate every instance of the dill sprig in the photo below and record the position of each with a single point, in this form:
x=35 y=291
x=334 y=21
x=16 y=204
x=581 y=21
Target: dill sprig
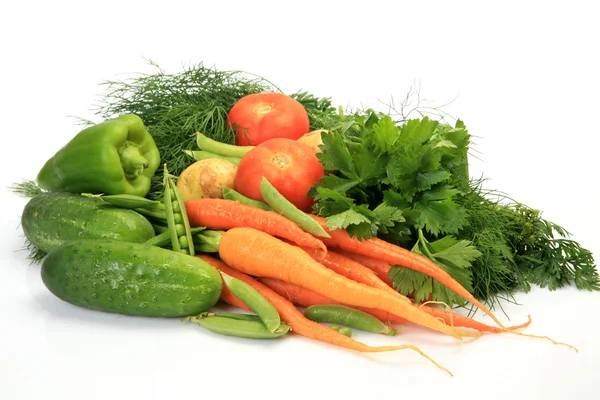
x=26 y=188
x=174 y=106
x=520 y=248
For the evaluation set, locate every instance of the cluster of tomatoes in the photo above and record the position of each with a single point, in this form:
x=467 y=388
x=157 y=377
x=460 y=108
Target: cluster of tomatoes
x=274 y=123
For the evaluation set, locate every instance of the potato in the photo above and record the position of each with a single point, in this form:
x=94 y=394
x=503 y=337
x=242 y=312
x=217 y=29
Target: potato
x=206 y=179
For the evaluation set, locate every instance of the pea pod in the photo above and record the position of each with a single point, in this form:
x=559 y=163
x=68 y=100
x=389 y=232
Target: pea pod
x=245 y=317
x=170 y=216
x=345 y=331
x=239 y=327
x=242 y=316
x=164 y=236
x=203 y=155
x=175 y=210
x=284 y=207
x=230 y=194
x=350 y=317
x=159 y=215
x=253 y=299
x=213 y=146
x=129 y=201
x=207 y=241
x=142 y=205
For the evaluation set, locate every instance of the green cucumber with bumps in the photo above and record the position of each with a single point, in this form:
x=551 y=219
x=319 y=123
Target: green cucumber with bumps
x=52 y=218
x=131 y=278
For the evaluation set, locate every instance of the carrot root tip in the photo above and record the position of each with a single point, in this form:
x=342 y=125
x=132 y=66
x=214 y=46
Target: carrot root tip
x=416 y=349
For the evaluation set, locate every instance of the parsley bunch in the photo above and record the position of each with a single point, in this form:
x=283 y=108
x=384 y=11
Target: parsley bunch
x=401 y=183
x=407 y=182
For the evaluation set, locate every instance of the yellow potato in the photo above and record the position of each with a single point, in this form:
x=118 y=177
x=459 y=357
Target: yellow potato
x=206 y=179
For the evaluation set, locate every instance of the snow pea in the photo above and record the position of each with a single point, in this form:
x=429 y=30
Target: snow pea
x=256 y=301
x=284 y=207
x=239 y=327
x=347 y=316
x=129 y=201
x=204 y=155
x=345 y=331
x=223 y=149
x=175 y=212
x=230 y=194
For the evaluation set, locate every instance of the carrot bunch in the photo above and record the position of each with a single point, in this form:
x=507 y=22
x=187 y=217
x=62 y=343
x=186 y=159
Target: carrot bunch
x=300 y=324
x=294 y=267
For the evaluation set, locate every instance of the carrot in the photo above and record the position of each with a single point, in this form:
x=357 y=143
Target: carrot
x=296 y=294
x=302 y=325
x=306 y=298
x=262 y=255
x=384 y=251
x=450 y=318
x=224 y=214
x=381 y=268
x=351 y=269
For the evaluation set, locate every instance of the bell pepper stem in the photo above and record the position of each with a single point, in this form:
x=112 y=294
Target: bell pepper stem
x=132 y=160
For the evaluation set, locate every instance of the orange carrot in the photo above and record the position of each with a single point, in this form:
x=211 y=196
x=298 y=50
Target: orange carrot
x=351 y=269
x=226 y=214
x=306 y=298
x=381 y=268
x=396 y=255
x=302 y=325
x=294 y=293
x=262 y=255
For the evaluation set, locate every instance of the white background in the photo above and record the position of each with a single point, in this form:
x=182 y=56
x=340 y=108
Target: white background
x=525 y=79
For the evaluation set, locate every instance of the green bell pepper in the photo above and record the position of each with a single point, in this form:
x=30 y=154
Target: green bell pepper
x=117 y=156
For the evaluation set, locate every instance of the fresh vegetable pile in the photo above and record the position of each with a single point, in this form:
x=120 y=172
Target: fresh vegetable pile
x=208 y=186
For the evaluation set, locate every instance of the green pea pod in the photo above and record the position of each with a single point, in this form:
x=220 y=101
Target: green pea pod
x=159 y=228
x=242 y=316
x=223 y=149
x=230 y=194
x=240 y=327
x=205 y=155
x=170 y=214
x=350 y=317
x=253 y=299
x=207 y=241
x=245 y=317
x=346 y=331
x=178 y=199
x=284 y=207
x=129 y=201
x=159 y=215
x=164 y=235
x=160 y=240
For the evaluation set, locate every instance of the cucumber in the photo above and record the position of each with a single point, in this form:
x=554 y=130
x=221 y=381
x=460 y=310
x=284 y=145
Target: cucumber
x=51 y=219
x=131 y=278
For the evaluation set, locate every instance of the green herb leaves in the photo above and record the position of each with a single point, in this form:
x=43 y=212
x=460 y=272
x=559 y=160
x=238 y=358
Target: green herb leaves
x=403 y=172
x=398 y=182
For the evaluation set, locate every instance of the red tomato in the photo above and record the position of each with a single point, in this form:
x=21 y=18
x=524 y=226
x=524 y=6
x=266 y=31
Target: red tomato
x=262 y=116
x=292 y=167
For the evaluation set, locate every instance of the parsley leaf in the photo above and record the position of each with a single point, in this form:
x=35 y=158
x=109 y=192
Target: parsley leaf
x=440 y=216
x=346 y=218
x=385 y=134
x=336 y=156
x=452 y=255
